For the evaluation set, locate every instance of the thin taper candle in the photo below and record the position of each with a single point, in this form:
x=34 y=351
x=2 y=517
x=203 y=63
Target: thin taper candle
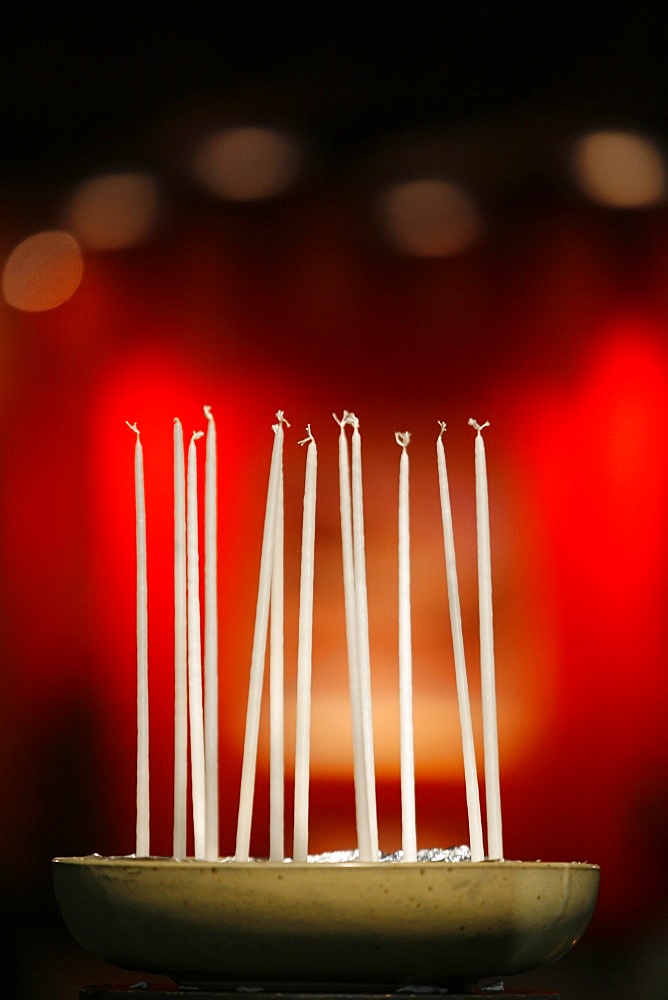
x=211 y=848
x=487 y=670
x=276 y=696
x=304 y=655
x=362 y=622
x=180 y=649
x=195 y=654
x=359 y=770
x=463 y=700
x=259 y=648
x=407 y=751
x=142 y=848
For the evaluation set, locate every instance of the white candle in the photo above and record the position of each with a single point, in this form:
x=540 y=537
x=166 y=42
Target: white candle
x=259 y=648
x=488 y=687
x=211 y=848
x=466 y=725
x=359 y=770
x=180 y=649
x=276 y=699
x=195 y=655
x=362 y=622
x=407 y=753
x=304 y=655
x=142 y=848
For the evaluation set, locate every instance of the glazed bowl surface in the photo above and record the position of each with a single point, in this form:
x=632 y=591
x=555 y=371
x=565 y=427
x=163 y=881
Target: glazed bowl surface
x=389 y=924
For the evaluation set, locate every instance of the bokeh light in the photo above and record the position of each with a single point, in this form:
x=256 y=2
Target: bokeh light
x=620 y=169
x=113 y=211
x=42 y=272
x=247 y=164
x=430 y=218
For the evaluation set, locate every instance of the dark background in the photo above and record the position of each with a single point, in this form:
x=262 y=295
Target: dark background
x=86 y=78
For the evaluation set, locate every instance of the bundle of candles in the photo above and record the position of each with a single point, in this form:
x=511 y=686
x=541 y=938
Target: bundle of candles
x=196 y=670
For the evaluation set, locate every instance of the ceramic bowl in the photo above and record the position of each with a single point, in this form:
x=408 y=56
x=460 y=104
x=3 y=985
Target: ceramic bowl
x=390 y=924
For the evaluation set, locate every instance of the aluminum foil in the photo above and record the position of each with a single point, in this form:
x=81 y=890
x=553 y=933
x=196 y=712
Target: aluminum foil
x=447 y=854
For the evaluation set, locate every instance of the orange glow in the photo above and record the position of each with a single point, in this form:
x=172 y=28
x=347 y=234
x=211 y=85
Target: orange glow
x=114 y=210
x=247 y=164
x=42 y=272
x=430 y=218
x=620 y=169
x=151 y=389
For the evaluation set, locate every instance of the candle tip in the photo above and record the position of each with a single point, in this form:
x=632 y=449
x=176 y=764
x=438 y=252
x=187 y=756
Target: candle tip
x=280 y=416
x=442 y=425
x=478 y=427
x=197 y=435
x=310 y=439
x=403 y=439
x=207 y=413
x=133 y=427
x=347 y=418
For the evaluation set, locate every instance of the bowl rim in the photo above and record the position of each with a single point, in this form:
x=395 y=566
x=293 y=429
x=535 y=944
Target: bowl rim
x=263 y=864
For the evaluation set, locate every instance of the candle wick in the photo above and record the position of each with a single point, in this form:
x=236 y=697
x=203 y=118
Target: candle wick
x=133 y=427
x=403 y=439
x=197 y=435
x=347 y=418
x=478 y=427
x=280 y=415
x=307 y=440
x=207 y=413
x=442 y=425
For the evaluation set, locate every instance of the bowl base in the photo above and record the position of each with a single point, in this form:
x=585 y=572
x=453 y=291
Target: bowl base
x=309 y=991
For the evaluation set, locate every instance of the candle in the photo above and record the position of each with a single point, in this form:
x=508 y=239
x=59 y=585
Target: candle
x=466 y=726
x=408 y=831
x=196 y=680
x=362 y=626
x=490 y=738
x=195 y=654
x=359 y=771
x=276 y=722
x=211 y=847
x=304 y=655
x=180 y=649
x=142 y=848
x=259 y=647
